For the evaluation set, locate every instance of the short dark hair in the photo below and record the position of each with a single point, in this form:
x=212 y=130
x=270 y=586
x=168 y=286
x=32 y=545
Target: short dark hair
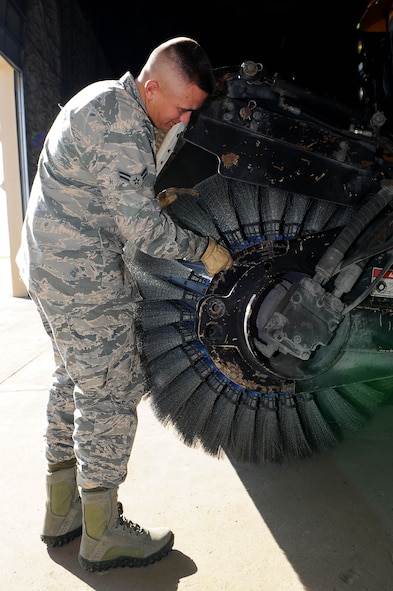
x=194 y=63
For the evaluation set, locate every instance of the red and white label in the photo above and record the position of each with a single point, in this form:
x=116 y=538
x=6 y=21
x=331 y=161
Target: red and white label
x=384 y=287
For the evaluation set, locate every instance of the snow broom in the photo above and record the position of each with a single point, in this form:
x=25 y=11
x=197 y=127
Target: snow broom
x=289 y=351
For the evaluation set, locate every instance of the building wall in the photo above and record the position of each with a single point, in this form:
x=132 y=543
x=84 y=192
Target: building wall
x=59 y=55
x=50 y=52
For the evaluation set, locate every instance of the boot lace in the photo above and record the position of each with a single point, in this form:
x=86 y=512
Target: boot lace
x=126 y=523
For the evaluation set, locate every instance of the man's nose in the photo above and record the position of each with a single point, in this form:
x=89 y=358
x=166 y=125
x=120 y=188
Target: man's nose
x=185 y=117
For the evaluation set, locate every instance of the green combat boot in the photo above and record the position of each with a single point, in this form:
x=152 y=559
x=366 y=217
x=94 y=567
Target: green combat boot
x=109 y=540
x=63 y=517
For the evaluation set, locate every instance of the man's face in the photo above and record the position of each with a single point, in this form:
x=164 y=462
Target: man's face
x=168 y=105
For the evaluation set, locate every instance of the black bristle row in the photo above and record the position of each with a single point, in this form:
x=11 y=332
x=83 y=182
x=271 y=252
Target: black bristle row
x=187 y=390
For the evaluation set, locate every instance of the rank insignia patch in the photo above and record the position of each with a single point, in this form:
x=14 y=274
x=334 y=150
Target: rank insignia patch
x=136 y=180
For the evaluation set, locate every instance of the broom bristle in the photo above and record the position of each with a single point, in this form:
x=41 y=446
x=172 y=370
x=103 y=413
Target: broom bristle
x=215 y=199
x=217 y=431
x=295 y=212
x=245 y=198
x=169 y=401
x=159 y=266
x=242 y=443
x=167 y=338
x=163 y=369
x=272 y=206
x=340 y=217
x=189 y=214
x=341 y=415
x=269 y=445
x=155 y=288
x=186 y=389
x=293 y=435
x=153 y=314
x=195 y=413
x=317 y=216
x=317 y=429
x=363 y=396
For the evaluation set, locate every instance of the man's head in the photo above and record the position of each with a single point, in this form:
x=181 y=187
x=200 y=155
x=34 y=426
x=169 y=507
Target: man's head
x=175 y=81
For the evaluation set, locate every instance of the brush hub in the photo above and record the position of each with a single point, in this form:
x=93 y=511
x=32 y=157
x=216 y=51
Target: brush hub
x=247 y=319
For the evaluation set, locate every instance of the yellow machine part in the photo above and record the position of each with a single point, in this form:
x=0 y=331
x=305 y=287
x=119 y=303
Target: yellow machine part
x=377 y=17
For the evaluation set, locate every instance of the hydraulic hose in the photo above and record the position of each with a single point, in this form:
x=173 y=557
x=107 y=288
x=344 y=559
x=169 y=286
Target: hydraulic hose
x=335 y=253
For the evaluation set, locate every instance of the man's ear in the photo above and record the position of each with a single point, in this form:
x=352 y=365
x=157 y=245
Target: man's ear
x=151 y=87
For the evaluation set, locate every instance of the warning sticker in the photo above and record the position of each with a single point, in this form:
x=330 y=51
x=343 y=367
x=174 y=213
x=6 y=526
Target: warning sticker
x=384 y=287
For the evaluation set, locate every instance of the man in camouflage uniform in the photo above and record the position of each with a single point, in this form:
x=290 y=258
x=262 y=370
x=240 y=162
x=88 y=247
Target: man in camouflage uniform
x=93 y=193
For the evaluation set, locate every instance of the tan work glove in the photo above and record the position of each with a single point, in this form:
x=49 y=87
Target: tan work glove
x=168 y=196
x=216 y=258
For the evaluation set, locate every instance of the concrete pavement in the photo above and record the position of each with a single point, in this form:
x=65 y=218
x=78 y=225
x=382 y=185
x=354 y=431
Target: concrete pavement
x=324 y=524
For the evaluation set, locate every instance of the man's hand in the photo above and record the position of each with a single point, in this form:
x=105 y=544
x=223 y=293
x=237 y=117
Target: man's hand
x=168 y=196
x=216 y=258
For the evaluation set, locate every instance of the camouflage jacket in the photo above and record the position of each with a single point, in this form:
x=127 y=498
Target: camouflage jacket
x=94 y=192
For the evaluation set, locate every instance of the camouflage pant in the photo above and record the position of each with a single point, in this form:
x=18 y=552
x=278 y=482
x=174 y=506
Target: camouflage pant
x=97 y=385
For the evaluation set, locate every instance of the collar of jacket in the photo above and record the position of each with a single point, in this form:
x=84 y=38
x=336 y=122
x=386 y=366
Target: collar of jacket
x=128 y=81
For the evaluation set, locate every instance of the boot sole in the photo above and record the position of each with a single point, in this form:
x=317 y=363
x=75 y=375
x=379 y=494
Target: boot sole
x=53 y=541
x=125 y=561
